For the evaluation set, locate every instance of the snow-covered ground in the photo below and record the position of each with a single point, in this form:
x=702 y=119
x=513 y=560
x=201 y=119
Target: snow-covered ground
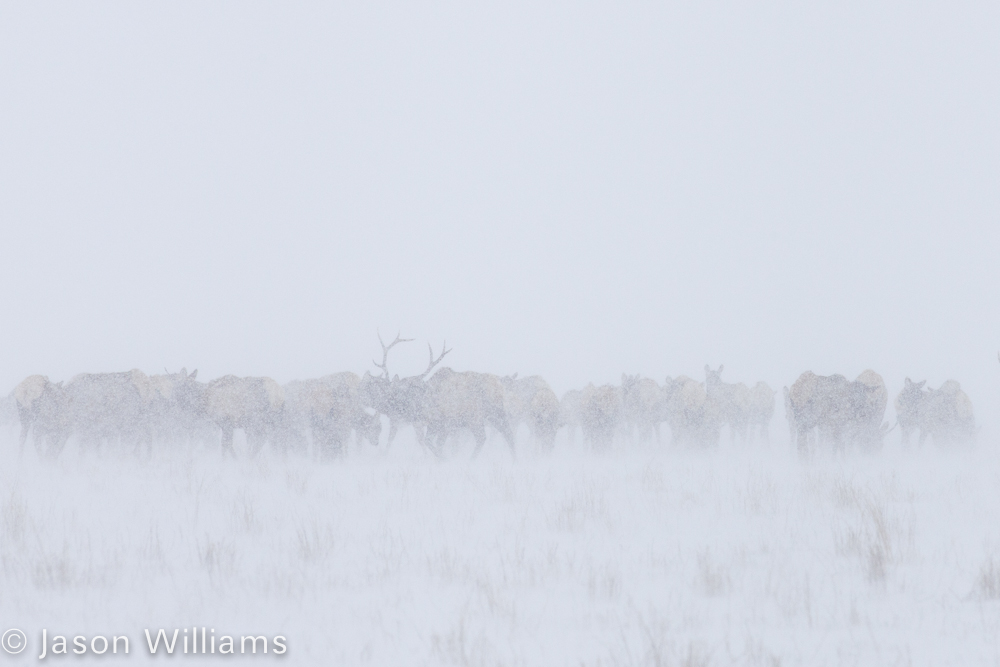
x=640 y=556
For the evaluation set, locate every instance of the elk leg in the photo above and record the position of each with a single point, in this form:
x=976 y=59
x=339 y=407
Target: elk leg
x=57 y=442
x=255 y=440
x=479 y=433
x=25 y=426
x=227 y=441
x=341 y=435
x=433 y=439
x=548 y=438
x=802 y=439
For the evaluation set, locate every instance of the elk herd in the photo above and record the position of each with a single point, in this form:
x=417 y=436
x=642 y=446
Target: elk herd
x=137 y=412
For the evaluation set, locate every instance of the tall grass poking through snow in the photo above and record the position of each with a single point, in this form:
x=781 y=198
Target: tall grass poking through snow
x=639 y=557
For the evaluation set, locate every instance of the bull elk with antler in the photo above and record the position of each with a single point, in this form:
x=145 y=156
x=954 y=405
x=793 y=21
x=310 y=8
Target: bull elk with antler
x=399 y=399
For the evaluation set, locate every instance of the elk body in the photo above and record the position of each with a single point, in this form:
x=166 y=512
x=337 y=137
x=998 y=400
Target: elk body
x=254 y=404
x=401 y=400
x=531 y=401
x=838 y=410
x=790 y=415
x=732 y=401
x=26 y=396
x=111 y=408
x=176 y=410
x=570 y=407
x=601 y=414
x=128 y=408
x=909 y=406
x=819 y=404
x=869 y=398
x=464 y=401
x=693 y=418
x=945 y=414
x=329 y=409
x=643 y=406
x=44 y=407
x=348 y=408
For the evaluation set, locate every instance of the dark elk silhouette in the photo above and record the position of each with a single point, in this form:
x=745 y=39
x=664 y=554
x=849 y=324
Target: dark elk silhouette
x=838 y=410
x=945 y=414
x=132 y=410
x=531 y=401
x=327 y=409
x=401 y=400
x=437 y=406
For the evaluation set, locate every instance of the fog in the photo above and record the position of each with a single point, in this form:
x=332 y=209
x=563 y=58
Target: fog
x=573 y=191
x=562 y=190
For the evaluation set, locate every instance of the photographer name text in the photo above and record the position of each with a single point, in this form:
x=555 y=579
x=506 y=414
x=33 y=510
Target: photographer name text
x=201 y=641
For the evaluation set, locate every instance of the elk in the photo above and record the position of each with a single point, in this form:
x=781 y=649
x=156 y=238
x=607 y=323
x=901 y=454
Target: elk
x=643 y=405
x=949 y=417
x=819 y=403
x=111 y=407
x=569 y=412
x=531 y=401
x=329 y=408
x=176 y=409
x=733 y=401
x=346 y=386
x=466 y=400
x=601 y=412
x=790 y=415
x=909 y=405
x=838 y=409
x=693 y=418
x=400 y=399
x=869 y=398
x=255 y=404
x=307 y=405
x=944 y=413
x=44 y=406
x=26 y=395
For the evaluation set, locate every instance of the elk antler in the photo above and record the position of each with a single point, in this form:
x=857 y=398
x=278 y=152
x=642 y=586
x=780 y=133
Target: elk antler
x=385 y=352
x=434 y=362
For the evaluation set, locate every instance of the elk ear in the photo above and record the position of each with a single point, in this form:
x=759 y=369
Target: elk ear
x=395 y=378
x=193 y=375
x=721 y=367
x=921 y=384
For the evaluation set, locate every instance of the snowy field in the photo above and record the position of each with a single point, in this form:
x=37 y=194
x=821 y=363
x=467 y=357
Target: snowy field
x=641 y=556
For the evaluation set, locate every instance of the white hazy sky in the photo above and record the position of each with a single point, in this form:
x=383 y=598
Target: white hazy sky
x=569 y=189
